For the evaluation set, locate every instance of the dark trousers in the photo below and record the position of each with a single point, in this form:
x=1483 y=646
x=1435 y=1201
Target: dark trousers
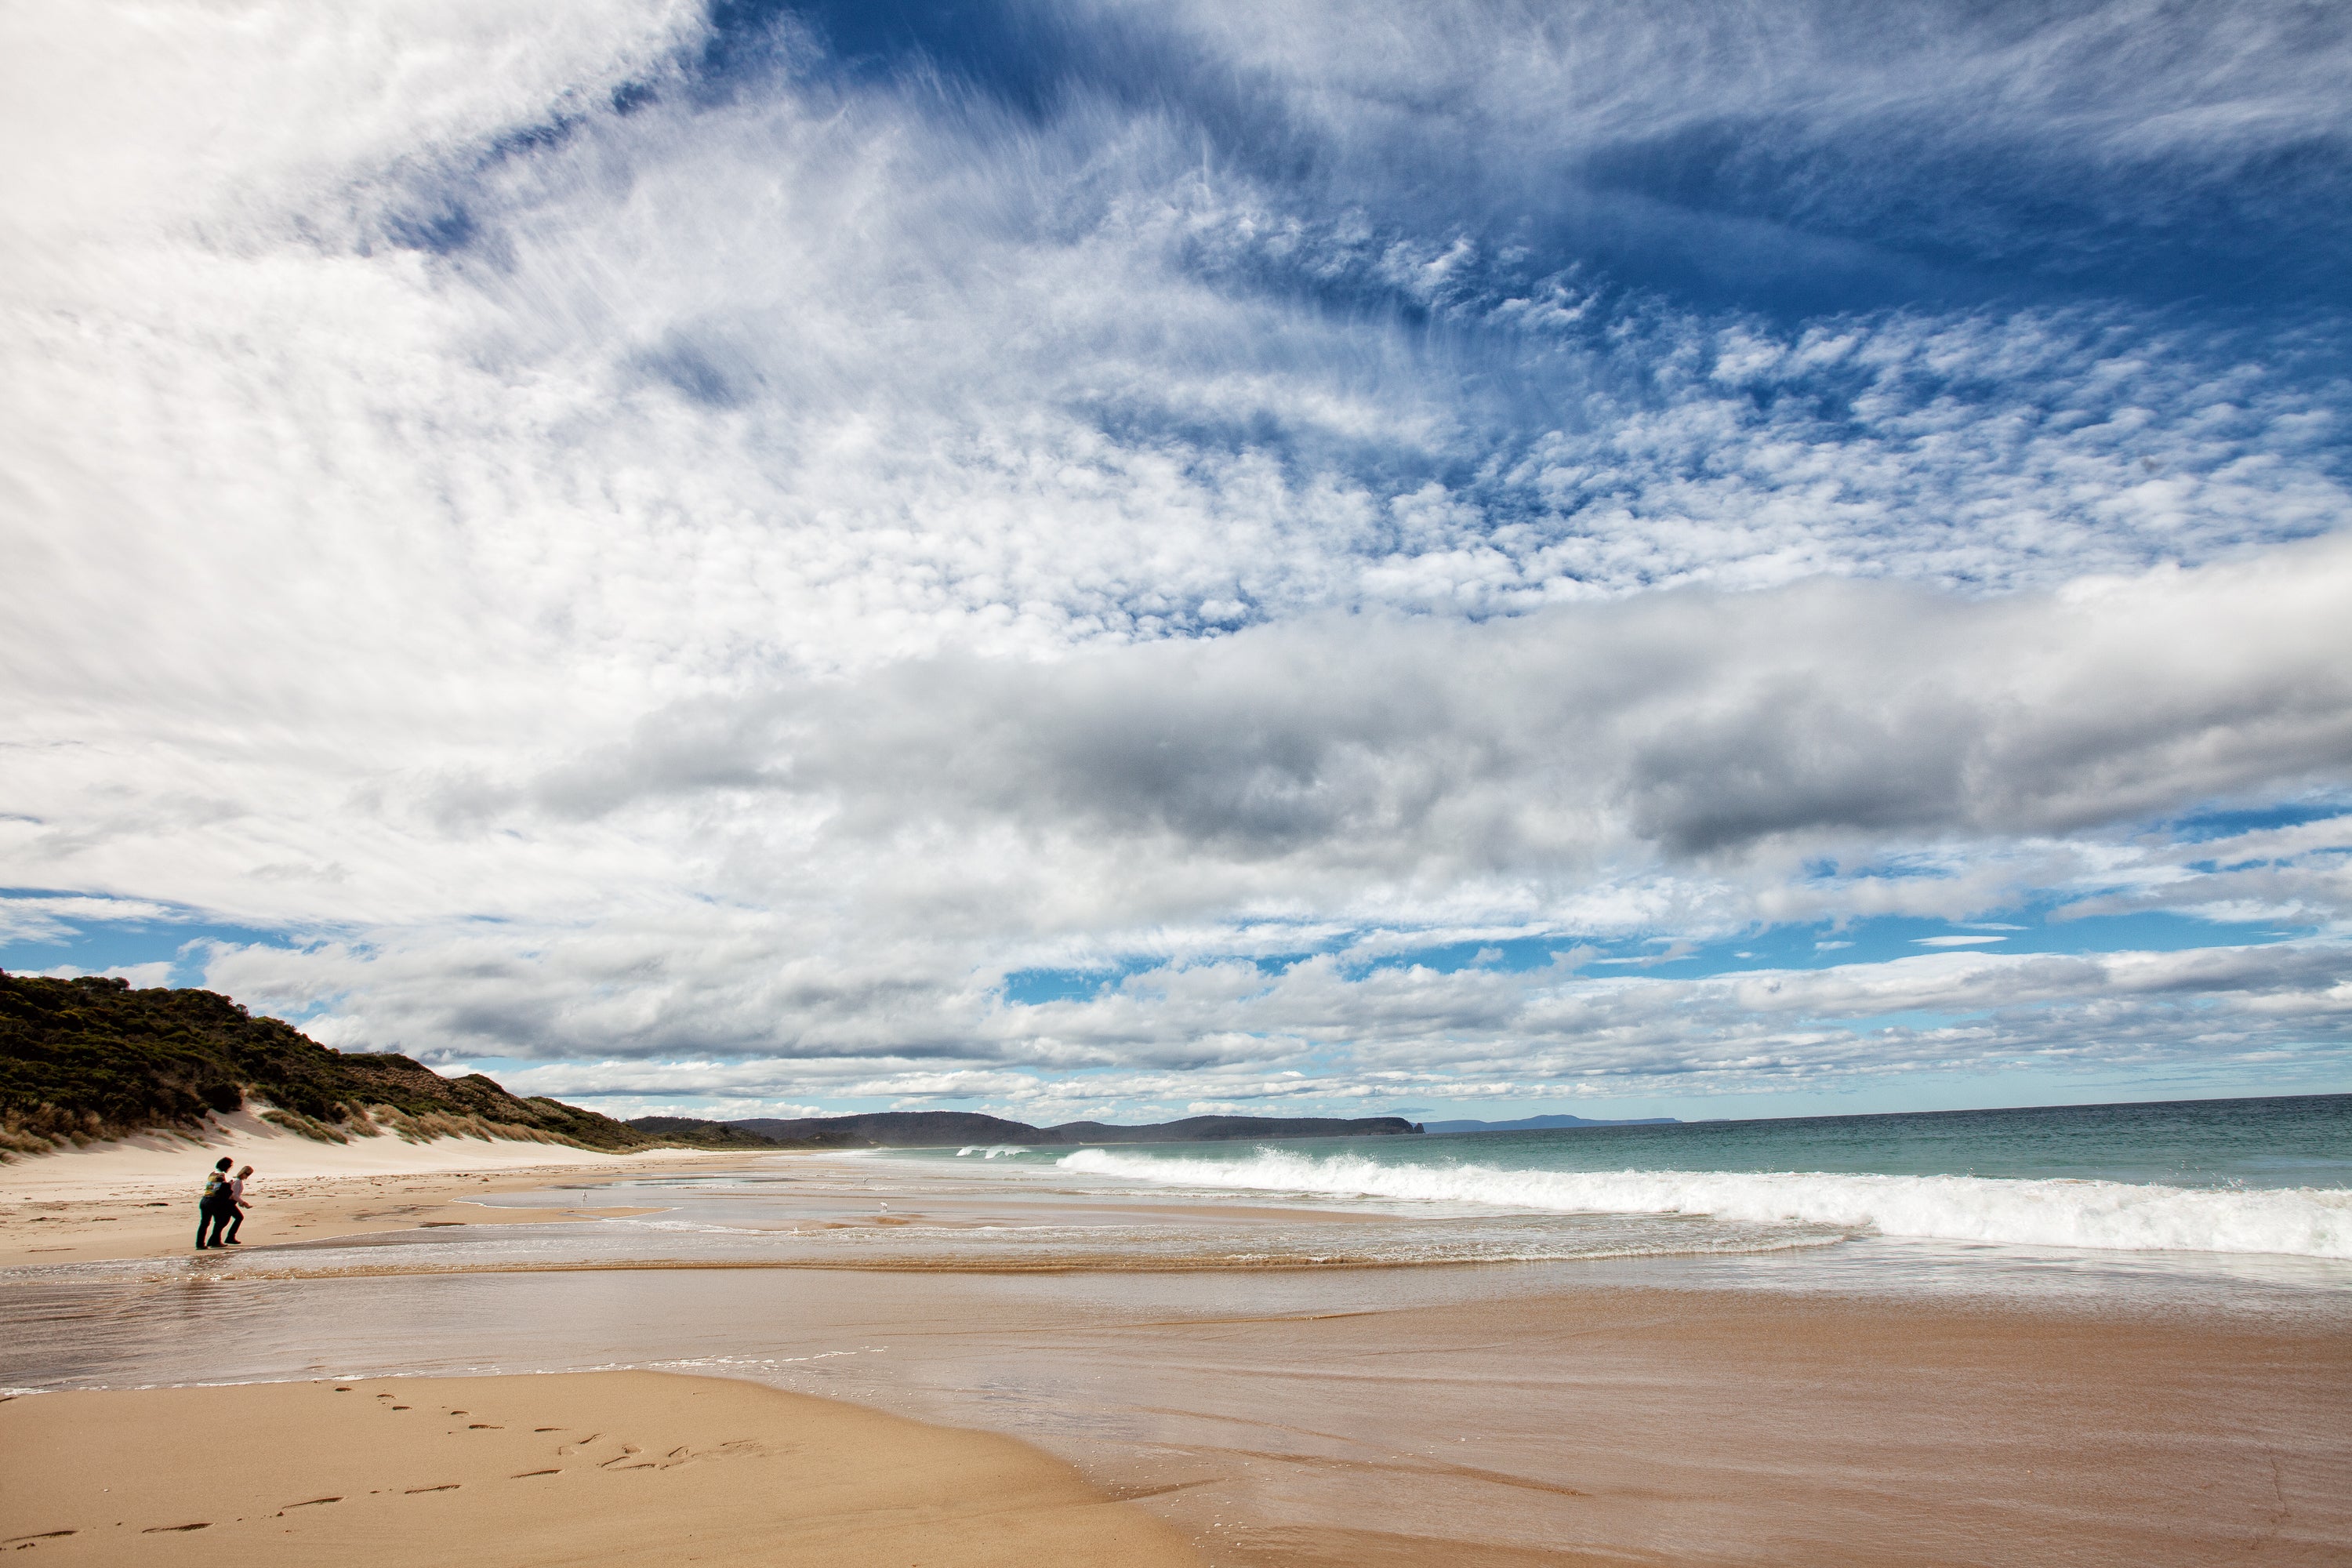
x=209 y=1220
x=236 y=1218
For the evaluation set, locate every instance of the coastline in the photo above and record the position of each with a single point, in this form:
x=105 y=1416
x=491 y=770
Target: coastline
x=136 y=1197
x=1679 y=1410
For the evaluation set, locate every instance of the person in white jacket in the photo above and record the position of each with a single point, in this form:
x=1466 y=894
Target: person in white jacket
x=235 y=1206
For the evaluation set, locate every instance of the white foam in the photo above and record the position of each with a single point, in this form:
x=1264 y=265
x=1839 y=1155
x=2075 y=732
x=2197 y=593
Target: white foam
x=2304 y=1222
x=991 y=1150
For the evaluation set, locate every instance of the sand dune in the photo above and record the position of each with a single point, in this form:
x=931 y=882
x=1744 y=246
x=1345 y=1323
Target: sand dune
x=502 y=1472
x=136 y=1197
x=165 y=1159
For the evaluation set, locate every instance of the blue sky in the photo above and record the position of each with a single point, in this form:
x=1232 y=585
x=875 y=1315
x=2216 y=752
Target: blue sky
x=1091 y=558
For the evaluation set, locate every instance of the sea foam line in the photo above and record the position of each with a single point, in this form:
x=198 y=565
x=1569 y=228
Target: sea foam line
x=2304 y=1222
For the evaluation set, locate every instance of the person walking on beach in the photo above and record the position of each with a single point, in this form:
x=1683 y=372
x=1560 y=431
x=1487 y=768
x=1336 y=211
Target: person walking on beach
x=214 y=1209
x=236 y=1207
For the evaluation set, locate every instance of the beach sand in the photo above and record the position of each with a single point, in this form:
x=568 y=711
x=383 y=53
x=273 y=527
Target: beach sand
x=502 y=1472
x=137 y=1197
x=1371 y=1418
x=1684 y=1411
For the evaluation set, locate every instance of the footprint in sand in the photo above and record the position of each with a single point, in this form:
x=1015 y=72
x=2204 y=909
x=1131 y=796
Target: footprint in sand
x=174 y=1529
x=526 y=1475
x=444 y=1486
x=307 y=1502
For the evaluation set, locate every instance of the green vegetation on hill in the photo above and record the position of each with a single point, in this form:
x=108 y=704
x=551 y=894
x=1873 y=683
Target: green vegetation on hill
x=699 y=1133
x=92 y=1059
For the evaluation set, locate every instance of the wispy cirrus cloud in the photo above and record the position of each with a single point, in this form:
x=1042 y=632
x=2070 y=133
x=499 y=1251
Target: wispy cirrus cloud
x=731 y=533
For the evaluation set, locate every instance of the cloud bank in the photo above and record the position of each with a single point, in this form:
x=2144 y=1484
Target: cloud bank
x=1102 y=556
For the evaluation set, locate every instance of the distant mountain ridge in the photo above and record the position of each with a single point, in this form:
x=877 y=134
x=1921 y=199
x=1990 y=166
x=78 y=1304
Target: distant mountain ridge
x=953 y=1129
x=1544 y=1124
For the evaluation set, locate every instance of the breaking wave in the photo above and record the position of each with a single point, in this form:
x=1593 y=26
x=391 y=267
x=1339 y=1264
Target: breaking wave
x=2306 y=1221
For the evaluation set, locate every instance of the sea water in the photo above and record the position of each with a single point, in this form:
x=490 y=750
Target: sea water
x=2249 y=1177
x=1259 y=1335
x=2104 y=1200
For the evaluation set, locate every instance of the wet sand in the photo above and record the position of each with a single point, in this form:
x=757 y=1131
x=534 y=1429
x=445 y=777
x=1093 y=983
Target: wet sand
x=1830 y=1406
x=1421 y=1416
x=505 y=1471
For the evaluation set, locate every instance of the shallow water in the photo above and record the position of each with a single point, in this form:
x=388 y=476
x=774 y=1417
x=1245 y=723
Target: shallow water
x=1647 y=1406
x=2257 y=1177
x=1874 y=1209
x=1324 y=1376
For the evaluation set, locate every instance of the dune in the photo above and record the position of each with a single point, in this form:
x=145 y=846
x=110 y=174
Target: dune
x=501 y=1472
x=136 y=1197
x=156 y=1158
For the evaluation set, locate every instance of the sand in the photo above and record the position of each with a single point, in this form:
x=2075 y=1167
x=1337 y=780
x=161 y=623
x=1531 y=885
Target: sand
x=137 y=1197
x=1686 y=1411
x=501 y=1472
x=1442 y=1417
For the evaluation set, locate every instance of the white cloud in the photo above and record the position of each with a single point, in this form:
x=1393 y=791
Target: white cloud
x=38 y=918
x=721 y=585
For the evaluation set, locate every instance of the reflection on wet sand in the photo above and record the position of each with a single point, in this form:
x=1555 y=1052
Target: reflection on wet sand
x=1833 y=1404
x=810 y=1212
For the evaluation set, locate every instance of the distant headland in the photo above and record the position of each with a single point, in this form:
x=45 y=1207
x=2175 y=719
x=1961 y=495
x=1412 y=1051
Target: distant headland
x=1546 y=1123
x=91 y=1059
x=949 y=1129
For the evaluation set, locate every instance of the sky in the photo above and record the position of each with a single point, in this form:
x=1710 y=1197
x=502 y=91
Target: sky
x=1078 y=558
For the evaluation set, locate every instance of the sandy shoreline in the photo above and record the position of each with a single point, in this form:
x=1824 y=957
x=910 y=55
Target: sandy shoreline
x=508 y=1471
x=137 y=1198
x=1568 y=1413
x=1423 y=1418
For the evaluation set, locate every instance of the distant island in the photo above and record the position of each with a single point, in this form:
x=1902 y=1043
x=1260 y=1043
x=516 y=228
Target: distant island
x=954 y=1129
x=1544 y=1124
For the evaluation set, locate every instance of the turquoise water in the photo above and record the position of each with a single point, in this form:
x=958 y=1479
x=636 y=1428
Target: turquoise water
x=2298 y=1141
x=2272 y=1175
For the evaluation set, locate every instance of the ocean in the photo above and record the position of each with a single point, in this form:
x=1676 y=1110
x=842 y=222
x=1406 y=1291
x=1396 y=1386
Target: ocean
x=1808 y=1332
x=2092 y=1198
x=2269 y=1177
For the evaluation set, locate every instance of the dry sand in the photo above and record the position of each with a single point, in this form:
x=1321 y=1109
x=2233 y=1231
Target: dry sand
x=1358 y=1418
x=501 y=1472
x=137 y=1197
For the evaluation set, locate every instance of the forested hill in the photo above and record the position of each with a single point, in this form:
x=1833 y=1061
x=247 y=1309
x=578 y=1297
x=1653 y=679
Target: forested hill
x=944 y=1129
x=93 y=1058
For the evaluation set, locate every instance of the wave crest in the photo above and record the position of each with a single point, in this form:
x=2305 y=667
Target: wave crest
x=2306 y=1221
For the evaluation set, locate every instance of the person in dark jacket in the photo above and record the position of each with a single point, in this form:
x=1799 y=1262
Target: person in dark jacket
x=215 y=1208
